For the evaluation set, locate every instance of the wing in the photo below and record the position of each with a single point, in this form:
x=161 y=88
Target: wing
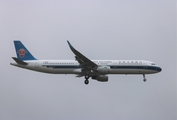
x=85 y=63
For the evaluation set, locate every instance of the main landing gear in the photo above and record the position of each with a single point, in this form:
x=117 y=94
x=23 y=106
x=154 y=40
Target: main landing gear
x=144 y=78
x=86 y=79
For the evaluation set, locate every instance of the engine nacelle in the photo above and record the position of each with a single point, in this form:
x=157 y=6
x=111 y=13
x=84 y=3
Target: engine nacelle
x=101 y=78
x=103 y=69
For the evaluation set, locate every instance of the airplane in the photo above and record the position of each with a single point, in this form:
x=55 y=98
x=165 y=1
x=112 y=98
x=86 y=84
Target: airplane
x=82 y=66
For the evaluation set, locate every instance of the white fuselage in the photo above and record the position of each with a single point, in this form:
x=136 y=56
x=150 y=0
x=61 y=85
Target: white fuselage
x=73 y=67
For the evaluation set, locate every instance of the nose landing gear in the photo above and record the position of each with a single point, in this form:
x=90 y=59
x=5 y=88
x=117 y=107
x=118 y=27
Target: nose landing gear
x=144 y=78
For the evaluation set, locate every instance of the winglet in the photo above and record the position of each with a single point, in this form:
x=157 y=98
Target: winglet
x=71 y=47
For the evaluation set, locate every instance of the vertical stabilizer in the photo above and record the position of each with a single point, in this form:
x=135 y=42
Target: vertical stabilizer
x=22 y=52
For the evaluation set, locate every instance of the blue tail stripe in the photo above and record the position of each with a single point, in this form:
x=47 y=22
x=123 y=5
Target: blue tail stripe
x=22 y=52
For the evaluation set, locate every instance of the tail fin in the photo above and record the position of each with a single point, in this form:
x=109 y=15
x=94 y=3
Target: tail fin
x=22 y=52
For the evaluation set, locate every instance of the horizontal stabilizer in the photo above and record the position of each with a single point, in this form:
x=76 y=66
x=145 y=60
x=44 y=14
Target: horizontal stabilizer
x=19 y=61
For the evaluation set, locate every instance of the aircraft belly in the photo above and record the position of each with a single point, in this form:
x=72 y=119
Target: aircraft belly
x=131 y=71
x=60 y=71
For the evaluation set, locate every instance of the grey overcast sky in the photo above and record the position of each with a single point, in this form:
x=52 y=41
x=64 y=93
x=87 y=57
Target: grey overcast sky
x=100 y=29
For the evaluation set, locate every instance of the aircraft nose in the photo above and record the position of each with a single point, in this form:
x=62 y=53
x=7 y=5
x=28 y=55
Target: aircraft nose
x=159 y=69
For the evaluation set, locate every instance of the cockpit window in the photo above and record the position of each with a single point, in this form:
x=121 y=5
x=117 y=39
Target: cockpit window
x=152 y=63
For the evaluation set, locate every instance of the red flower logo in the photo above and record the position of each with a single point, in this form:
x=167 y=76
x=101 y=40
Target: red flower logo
x=22 y=52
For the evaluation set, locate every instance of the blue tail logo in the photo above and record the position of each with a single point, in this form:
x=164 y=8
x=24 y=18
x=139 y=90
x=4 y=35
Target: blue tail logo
x=22 y=52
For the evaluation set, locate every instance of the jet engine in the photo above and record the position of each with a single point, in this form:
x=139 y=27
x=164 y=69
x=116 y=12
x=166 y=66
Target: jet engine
x=103 y=69
x=101 y=78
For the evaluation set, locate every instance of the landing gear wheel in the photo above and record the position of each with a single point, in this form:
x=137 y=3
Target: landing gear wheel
x=86 y=82
x=144 y=78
